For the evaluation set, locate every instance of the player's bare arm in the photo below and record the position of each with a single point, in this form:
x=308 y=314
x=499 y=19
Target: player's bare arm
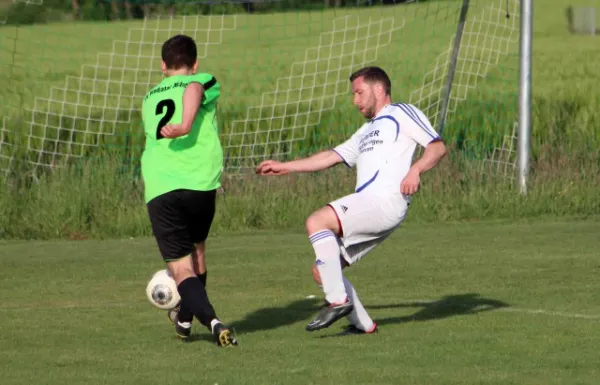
x=317 y=162
x=192 y=99
x=432 y=155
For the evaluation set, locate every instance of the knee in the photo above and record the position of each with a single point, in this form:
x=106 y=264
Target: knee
x=323 y=219
x=316 y=275
x=313 y=224
x=181 y=270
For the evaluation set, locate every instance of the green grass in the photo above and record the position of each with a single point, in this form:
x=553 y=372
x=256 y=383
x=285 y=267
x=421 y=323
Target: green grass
x=97 y=202
x=479 y=286
x=248 y=57
x=456 y=304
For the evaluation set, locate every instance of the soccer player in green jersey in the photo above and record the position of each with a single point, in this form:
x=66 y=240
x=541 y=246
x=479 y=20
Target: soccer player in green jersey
x=181 y=167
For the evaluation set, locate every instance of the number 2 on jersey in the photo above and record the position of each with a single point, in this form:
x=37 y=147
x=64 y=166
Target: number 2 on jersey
x=170 y=105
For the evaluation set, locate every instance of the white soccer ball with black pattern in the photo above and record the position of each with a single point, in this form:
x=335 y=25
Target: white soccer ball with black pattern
x=162 y=290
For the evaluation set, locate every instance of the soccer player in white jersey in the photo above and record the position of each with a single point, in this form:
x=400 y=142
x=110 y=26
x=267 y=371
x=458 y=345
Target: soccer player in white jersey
x=345 y=230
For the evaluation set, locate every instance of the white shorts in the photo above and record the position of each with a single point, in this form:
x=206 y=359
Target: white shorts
x=366 y=220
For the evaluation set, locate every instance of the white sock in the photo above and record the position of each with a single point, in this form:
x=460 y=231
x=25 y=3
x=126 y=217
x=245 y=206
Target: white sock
x=186 y=325
x=327 y=253
x=213 y=323
x=359 y=316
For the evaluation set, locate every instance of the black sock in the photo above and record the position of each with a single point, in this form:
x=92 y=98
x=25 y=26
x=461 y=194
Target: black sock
x=202 y=277
x=185 y=314
x=194 y=296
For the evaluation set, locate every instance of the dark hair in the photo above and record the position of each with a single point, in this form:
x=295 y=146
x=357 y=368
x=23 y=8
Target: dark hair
x=179 y=51
x=374 y=75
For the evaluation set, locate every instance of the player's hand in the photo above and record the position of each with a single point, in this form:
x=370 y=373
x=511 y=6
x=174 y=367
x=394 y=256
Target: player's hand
x=271 y=167
x=173 y=131
x=410 y=184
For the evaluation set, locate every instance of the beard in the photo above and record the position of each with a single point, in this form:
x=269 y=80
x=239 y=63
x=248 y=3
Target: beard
x=369 y=113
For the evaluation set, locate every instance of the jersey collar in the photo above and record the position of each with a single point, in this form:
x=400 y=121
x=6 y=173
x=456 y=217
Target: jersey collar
x=380 y=111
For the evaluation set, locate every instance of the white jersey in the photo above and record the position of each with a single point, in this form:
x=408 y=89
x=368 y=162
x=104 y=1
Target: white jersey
x=382 y=149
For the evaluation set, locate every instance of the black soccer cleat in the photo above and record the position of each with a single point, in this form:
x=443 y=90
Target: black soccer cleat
x=223 y=336
x=352 y=329
x=181 y=331
x=329 y=314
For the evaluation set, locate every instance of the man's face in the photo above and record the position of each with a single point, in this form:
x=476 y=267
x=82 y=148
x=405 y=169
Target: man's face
x=364 y=97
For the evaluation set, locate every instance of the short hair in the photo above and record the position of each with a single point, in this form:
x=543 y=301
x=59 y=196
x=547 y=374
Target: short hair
x=374 y=75
x=179 y=51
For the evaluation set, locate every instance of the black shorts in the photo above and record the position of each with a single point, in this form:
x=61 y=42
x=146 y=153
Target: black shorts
x=180 y=219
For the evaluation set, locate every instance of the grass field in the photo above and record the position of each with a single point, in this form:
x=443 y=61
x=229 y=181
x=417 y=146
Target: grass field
x=480 y=303
x=479 y=286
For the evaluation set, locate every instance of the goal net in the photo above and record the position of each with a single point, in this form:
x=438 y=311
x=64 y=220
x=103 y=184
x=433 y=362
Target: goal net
x=73 y=89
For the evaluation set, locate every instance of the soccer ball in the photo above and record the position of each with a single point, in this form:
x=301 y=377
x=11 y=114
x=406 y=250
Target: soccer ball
x=162 y=290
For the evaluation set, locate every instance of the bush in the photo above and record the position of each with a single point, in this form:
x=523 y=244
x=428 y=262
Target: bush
x=22 y=13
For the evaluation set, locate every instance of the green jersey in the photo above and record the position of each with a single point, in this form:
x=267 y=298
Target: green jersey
x=193 y=161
